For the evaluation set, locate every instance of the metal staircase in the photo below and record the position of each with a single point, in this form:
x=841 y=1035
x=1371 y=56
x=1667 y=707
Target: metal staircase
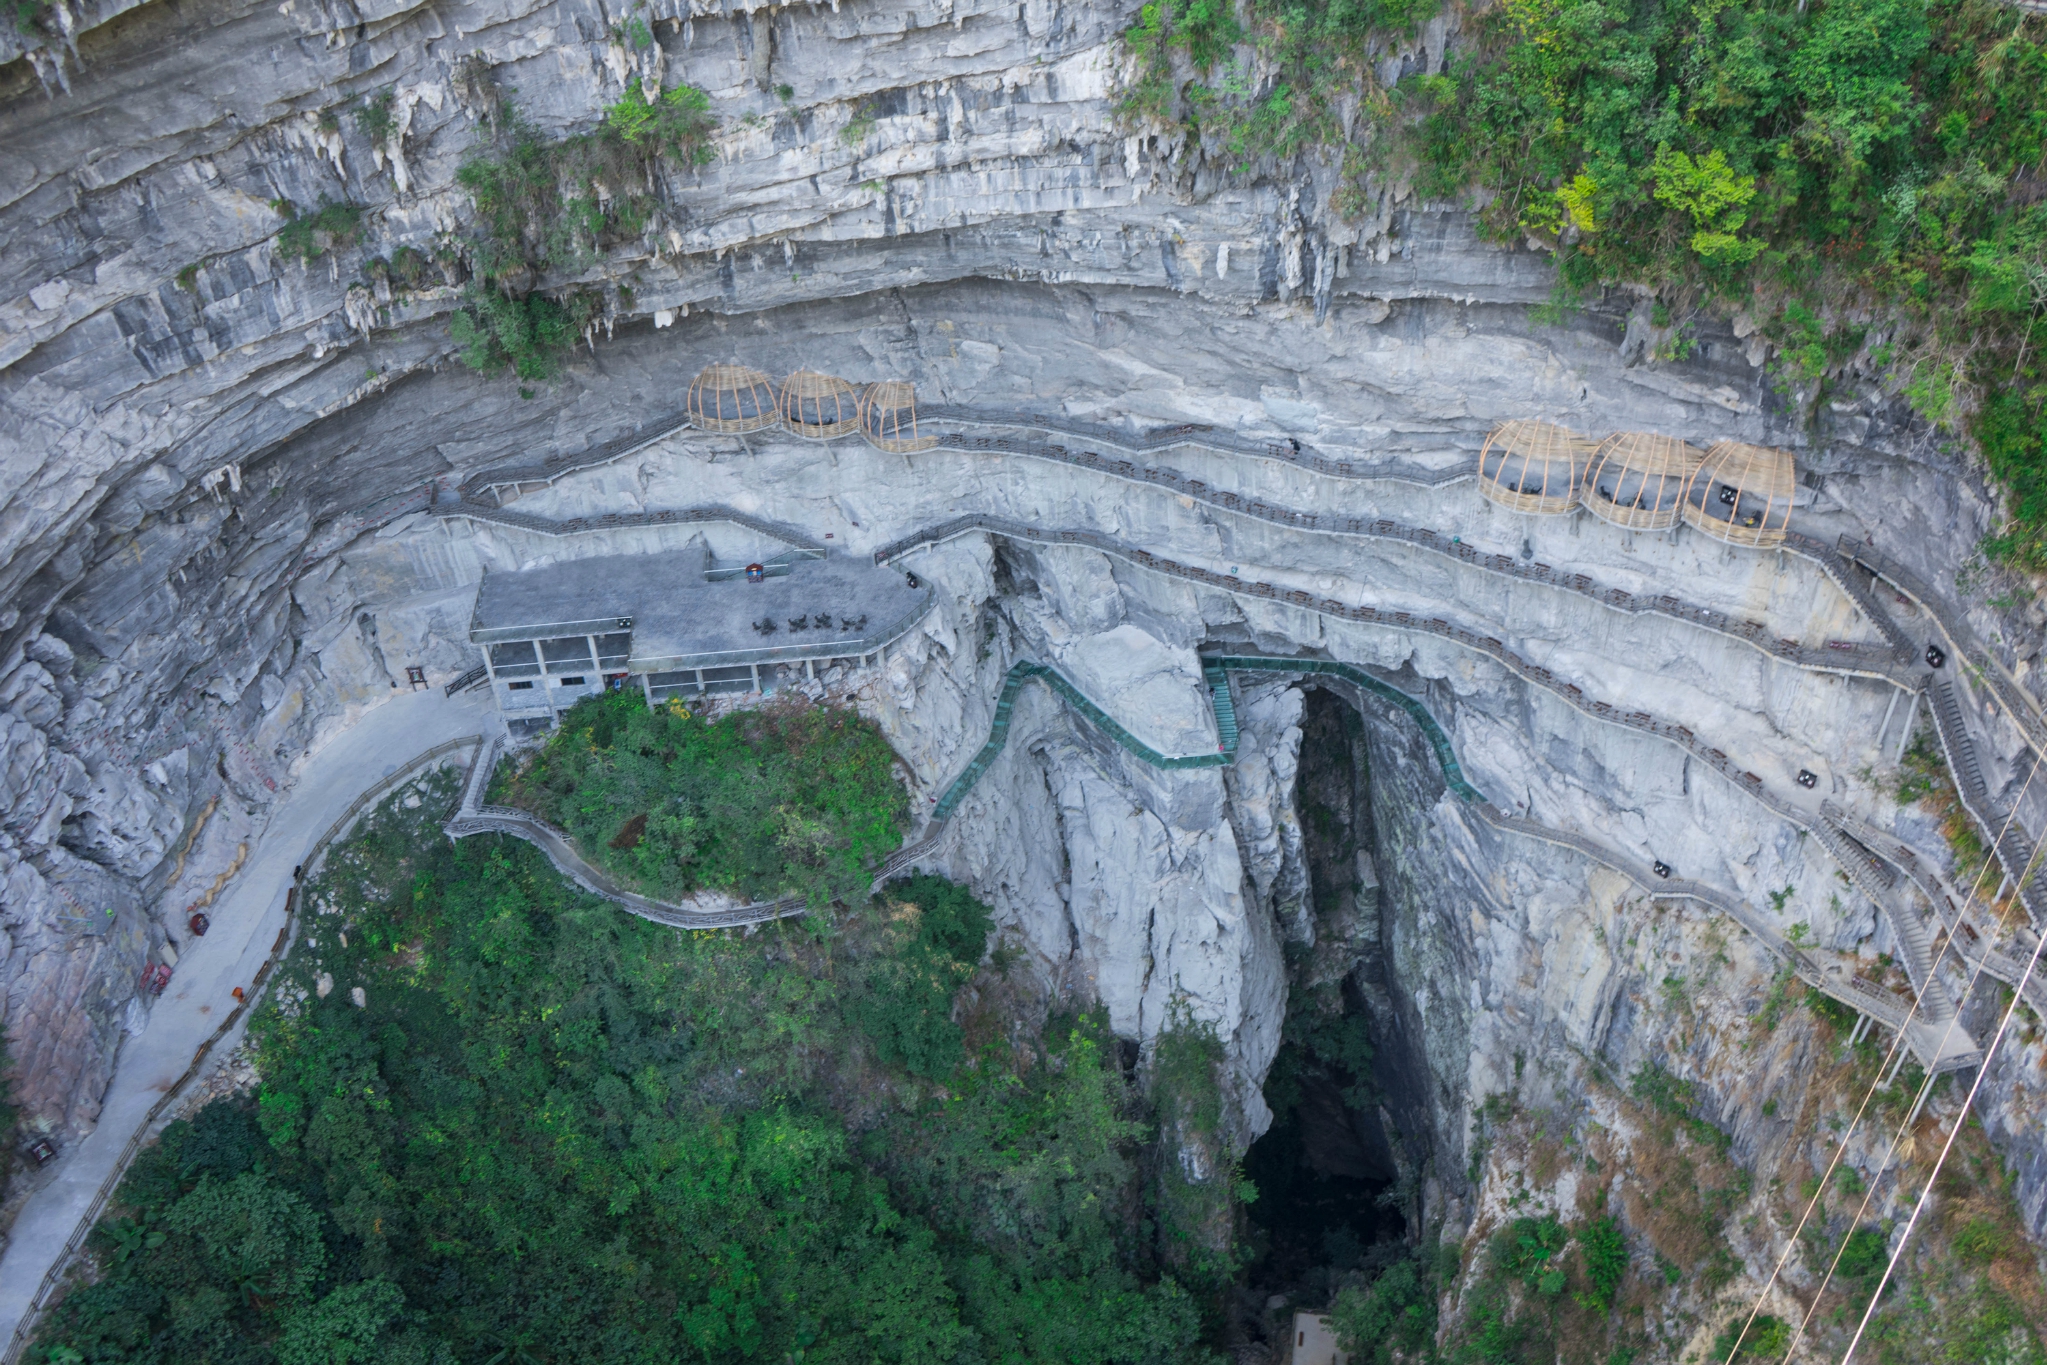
x=2014 y=851
x=1875 y=879
x=1225 y=705
x=1975 y=949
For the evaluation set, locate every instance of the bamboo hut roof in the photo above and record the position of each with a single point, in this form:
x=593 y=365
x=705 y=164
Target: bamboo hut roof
x=819 y=406
x=1638 y=480
x=1533 y=467
x=888 y=417
x=732 y=400
x=1742 y=494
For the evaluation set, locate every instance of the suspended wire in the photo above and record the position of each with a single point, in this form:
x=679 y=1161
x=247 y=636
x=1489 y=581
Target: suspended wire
x=1927 y=1082
x=1897 y=1042
x=1961 y=1120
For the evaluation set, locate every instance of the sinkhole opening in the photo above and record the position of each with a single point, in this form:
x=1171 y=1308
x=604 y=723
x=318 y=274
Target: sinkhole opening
x=1329 y=1209
x=1327 y=1186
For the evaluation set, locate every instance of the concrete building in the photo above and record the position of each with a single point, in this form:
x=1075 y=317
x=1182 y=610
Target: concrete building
x=1313 y=1342
x=554 y=634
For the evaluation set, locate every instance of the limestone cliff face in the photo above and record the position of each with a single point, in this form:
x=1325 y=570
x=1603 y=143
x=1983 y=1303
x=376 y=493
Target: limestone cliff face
x=205 y=449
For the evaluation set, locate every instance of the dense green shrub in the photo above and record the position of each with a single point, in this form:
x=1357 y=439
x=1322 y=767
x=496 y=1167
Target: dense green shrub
x=1531 y=1250
x=1799 y=160
x=1396 y=1312
x=531 y=334
x=906 y=1011
x=306 y=239
x=1766 y=1338
x=764 y=803
x=1605 y=1249
x=558 y=1133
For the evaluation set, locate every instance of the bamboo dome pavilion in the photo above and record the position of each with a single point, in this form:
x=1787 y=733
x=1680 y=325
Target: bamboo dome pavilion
x=732 y=400
x=819 y=406
x=1742 y=494
x=1533 y=467
x=1638 y=480
x=888 y=417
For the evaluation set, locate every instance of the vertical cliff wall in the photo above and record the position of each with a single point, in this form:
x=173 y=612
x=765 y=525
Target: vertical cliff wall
x=221 y=465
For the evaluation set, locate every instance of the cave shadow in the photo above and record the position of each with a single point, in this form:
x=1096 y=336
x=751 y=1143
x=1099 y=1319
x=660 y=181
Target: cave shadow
x=1331 y=1207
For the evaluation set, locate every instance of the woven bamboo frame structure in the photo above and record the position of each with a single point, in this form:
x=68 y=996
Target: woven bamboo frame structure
x=1533 y=467
x=819 y=406
x=1742 y=494
x=1638 y=480
x=732 y=400
x=888 y=417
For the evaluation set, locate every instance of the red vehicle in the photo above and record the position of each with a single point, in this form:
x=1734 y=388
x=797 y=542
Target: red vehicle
x=199 y=924
x=155 y=978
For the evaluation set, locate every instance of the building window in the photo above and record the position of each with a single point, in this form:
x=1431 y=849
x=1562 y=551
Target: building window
x=575 y=681
x=519 y=687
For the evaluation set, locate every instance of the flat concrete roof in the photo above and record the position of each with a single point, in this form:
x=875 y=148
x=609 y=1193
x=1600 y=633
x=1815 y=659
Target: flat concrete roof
x=845 y=606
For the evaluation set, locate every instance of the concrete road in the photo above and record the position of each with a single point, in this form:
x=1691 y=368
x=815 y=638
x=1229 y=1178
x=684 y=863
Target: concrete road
x=246 y=918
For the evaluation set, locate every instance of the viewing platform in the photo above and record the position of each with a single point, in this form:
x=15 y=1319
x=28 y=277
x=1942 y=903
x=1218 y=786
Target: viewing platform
x=553 y=635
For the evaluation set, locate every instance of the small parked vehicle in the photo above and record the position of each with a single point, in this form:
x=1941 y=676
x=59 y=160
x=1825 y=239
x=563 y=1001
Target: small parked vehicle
x=199 y=924
x=43 y=1150
x=156 y=977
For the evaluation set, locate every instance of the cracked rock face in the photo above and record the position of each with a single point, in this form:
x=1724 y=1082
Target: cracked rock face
x=214 y=551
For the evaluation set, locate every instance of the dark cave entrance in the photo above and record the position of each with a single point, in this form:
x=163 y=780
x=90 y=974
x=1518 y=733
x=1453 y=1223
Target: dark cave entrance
x=1325 y=1207
x=1329 y=1208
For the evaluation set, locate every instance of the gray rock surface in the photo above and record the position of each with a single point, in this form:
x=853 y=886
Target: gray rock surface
x=203 y=444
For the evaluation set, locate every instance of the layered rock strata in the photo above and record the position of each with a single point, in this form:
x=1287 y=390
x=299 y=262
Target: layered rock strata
x=215 y=545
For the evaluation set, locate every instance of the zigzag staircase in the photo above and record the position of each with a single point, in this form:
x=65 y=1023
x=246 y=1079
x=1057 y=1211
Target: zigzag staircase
x=2015 y=853
x=1876 y=880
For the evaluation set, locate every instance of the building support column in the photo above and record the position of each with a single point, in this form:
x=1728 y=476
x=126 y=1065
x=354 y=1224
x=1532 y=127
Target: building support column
x=647 y=686
x=492 y=674
x=546 y=684
x=1911 y=719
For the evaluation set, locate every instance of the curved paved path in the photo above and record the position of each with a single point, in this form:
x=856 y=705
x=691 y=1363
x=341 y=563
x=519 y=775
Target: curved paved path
x=246 y=919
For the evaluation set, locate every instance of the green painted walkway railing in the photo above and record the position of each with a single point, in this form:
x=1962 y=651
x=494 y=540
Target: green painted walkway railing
x=1019 y=674
x=1215 y=671
x=1453 y=772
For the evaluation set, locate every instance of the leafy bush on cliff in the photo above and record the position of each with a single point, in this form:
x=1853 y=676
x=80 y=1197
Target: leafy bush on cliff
x=558 y=1133
x=1862 y=176
x=547 y=204
x=764 y=803
x=906 y=1011
x=1396 y=1312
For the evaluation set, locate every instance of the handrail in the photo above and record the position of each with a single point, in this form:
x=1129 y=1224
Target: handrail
x=800 y=545
x=2015 y=854
x=466 y=681
x=1438 y=737
x=1921 y=1035
x=873 y=642
x=1165 y=438
x=1935 y=888
x=1489 y=646
x=1962 y=641
x=1844 y=657
x=24 y=1329
x=559 y=851
x=397 y=777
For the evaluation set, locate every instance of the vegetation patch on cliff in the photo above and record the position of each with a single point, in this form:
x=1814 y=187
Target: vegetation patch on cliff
x=1861 y=177
x=549 y=204
x=786 y=799
x=546 y=1131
